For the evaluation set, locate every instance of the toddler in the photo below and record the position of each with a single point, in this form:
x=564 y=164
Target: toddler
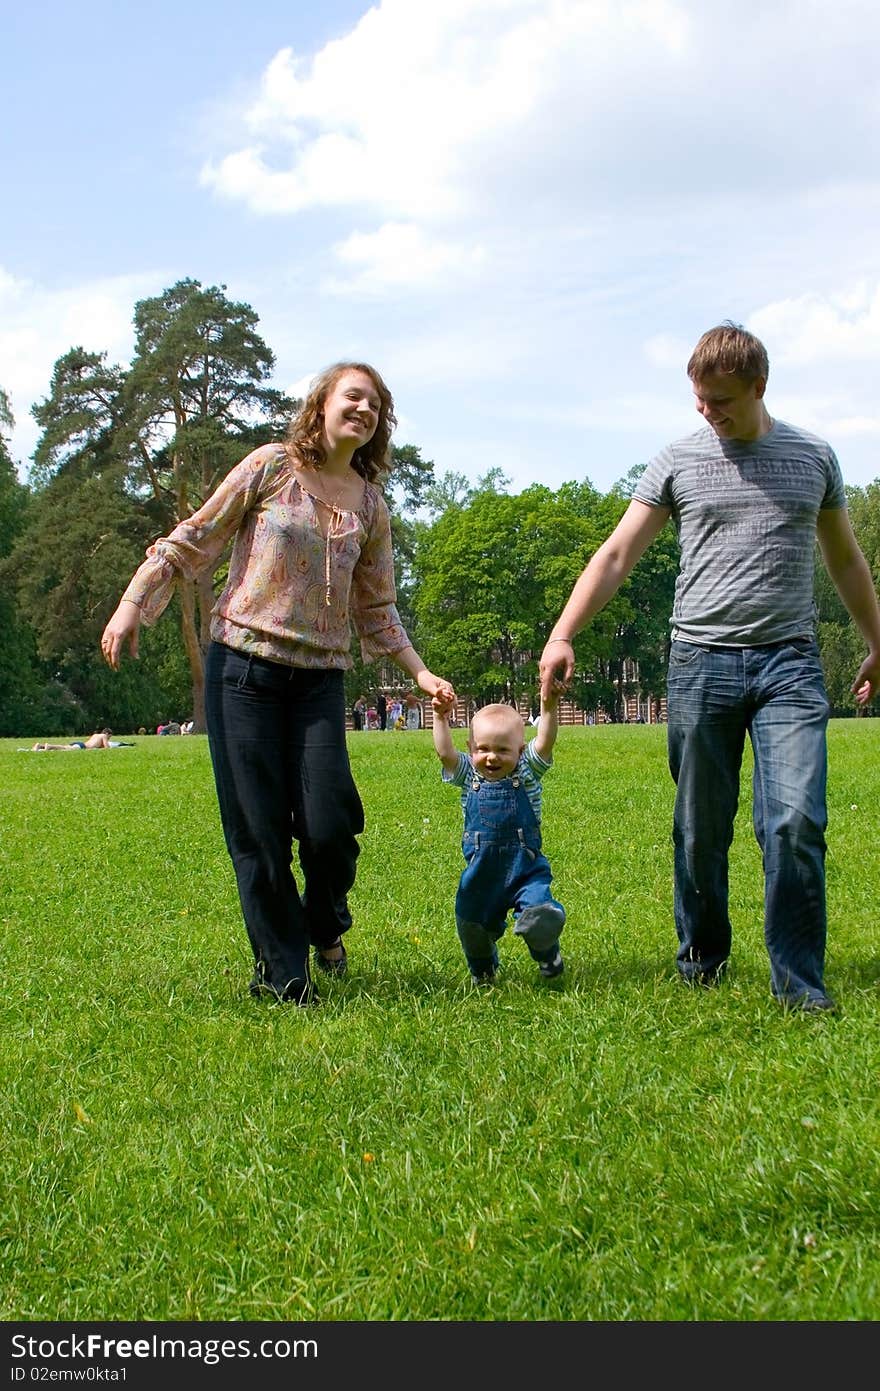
x=500 y=779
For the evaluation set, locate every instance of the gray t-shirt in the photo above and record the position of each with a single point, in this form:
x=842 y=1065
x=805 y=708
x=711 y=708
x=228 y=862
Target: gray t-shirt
x=745 y=513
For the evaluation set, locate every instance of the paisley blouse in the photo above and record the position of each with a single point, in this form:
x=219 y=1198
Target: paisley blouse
x=293 y=593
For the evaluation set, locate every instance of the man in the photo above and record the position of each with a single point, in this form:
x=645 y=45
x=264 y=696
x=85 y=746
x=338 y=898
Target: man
x=749 y=497
x=99 y=740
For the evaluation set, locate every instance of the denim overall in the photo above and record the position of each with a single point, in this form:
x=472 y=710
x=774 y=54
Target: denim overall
x=504 y=870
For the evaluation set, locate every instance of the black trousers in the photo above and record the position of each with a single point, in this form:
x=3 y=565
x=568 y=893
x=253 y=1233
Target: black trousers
x=277 y=741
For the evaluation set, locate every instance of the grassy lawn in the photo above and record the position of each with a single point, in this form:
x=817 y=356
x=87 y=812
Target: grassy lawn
x=612 y=1146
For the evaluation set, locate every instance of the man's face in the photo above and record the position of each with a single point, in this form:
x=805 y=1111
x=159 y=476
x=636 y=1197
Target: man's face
x=734 y=408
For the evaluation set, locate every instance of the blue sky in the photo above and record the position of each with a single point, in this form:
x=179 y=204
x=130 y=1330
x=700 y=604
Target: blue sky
x=523 y=212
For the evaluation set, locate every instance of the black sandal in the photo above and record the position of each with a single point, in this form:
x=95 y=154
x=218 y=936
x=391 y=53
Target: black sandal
x=339 y=967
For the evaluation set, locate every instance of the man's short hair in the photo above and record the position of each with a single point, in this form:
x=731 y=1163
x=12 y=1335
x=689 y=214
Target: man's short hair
x=731 y=350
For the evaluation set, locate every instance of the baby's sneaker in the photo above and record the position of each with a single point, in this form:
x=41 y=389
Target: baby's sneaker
x=553 y=964
x=483 y=968
x=483 y=977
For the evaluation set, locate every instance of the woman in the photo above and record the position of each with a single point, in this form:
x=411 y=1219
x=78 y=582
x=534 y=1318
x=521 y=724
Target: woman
x=311 y=556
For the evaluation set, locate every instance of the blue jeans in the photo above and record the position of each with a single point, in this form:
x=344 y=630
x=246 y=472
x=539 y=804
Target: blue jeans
x=776 y=694
x=277 y=740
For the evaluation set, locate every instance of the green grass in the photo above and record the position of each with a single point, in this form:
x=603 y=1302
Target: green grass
x=610 y=1147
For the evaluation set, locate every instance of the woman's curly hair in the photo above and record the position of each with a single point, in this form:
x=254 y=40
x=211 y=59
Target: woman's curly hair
x=306 y=434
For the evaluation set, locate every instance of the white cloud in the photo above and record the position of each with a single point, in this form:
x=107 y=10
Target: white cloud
x=400 y=254
x=525 y=212
x=299 y=389
x=318 y=177
x=492 y=108
x=533 y=208
x=830 y=415
x=469 y=356
x=662 y=413
x=812 y=328
x=855 y=425
x=416 y=110
x=665 y=350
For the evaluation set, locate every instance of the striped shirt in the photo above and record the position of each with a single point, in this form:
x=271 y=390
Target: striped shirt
x=530 y=770
x=745 y=513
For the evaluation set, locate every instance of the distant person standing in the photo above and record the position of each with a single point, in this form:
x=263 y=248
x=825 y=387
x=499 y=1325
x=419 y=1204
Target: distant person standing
x=358 y=710
x=382 y=709
x=749 y=496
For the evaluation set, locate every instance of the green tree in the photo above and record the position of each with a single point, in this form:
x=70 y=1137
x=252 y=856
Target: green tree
x=642 y=632
x=122 y=458
x=626 y=486
x=841 y=645
x=196 y=401
x=452 y=490
x=409 y=482
x=491 y=577
x=842 y=651
x=79 y=417
x=864 y=509
x=407 y=487
x=83 y=530
x=81 y=533
x=20 y=675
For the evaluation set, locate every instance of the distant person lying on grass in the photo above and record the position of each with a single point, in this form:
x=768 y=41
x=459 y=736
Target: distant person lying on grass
x=100 y=740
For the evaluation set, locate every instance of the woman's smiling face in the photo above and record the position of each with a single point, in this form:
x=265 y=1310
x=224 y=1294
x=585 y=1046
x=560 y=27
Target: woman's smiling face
x=351 y=410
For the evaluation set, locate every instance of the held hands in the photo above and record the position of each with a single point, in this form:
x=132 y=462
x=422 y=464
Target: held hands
x=556 y=668
x=123 y=627
x=435 y=686
x=443 y=703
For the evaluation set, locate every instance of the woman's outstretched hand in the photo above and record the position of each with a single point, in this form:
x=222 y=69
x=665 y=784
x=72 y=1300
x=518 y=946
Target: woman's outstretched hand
x=436 y=686
x=123 y=627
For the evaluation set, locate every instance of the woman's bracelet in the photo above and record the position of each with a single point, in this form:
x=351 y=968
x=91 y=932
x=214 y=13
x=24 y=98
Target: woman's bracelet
x=549 y=640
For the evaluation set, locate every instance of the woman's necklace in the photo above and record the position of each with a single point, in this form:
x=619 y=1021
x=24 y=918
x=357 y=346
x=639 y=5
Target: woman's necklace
x=333 y=528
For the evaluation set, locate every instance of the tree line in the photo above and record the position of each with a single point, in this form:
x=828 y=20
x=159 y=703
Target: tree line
x=125 y=453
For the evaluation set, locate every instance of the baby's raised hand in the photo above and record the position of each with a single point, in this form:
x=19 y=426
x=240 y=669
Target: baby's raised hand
x=443 y=701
